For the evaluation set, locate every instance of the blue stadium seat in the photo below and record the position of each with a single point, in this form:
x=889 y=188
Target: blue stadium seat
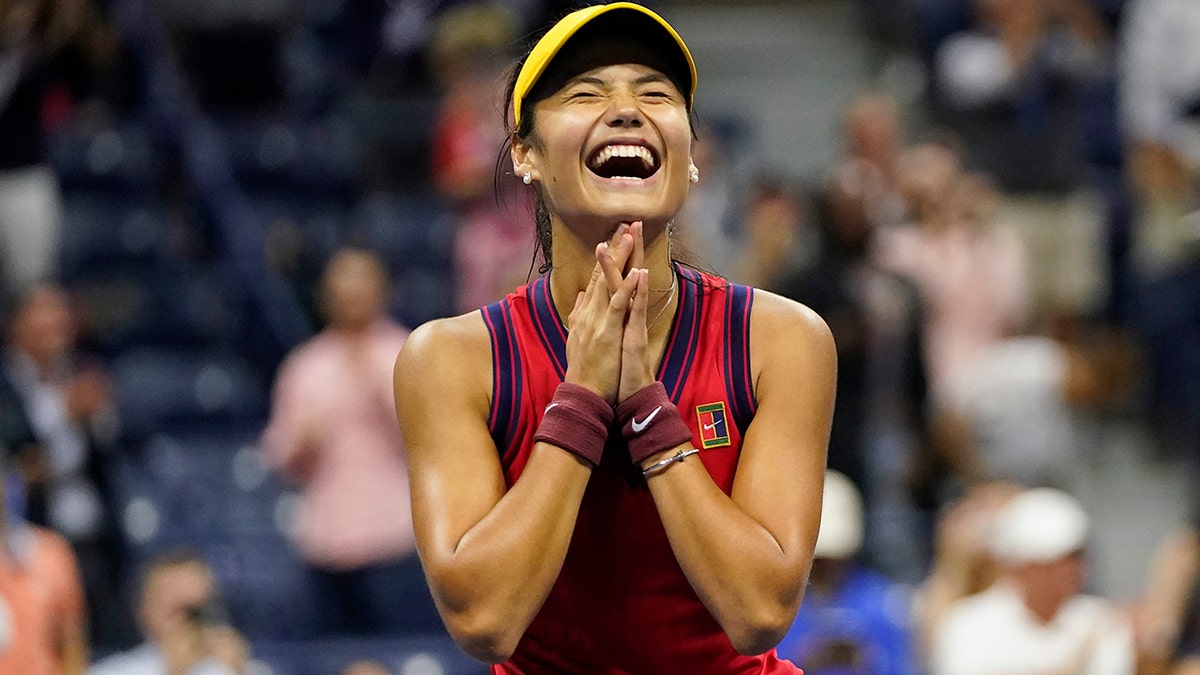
x=210 y=491
x=124 y=155
x=159 y=305
x=407 y=229
x=320 y=221
x=317 y=155
x=103 y=227
x=161 y=390
x=416 y=655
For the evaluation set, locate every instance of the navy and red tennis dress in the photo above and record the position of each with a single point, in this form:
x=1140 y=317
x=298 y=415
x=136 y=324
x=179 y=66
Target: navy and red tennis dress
x=621 y=604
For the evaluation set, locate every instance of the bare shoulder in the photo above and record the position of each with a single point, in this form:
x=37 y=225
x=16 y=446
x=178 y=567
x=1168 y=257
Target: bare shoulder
x=790 y=344
x=454 y=350
x=451 y=339
x=775 y=318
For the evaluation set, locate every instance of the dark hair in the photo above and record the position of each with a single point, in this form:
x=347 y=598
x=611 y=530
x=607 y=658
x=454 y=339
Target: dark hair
x=546 y=85
x=172 y=557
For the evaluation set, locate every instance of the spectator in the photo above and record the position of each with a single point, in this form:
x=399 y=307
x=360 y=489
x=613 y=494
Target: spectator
x=963 y=564
x=186 y=630
x=1167 y=615
x=1035 y=619
x=34 y=36
x=777 y=239
x=67 y=400
x=970 y=272
x=875 y=315
x=492 y=246
x=1014 y=412
x=41 y=596
x=707 y=232
x=873 y=132
x=1013 y=87
x=852 y=620
x=333 y=432
x=1160 y=115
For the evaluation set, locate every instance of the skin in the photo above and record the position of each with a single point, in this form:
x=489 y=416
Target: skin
x=353 y=298
x=746 y=555
x=168 y=592
x=69 y=635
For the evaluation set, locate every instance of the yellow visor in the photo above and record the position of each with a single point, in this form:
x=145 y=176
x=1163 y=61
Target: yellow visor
x=552 y=42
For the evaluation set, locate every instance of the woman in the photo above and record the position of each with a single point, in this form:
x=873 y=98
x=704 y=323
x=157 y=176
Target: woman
x=635 y=489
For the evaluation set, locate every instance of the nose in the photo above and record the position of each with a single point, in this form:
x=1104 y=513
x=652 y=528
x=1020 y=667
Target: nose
x=624 y=112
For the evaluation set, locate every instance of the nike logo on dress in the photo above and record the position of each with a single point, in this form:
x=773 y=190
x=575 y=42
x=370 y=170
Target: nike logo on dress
x=710 y=427
x=639 y=427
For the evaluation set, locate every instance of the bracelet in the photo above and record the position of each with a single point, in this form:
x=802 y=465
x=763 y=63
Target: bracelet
x=576 y=420
x=651 y=423
x=664 y=463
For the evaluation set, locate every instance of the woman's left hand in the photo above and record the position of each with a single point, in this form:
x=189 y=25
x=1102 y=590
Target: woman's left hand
x=636 y=369
x=635 y=360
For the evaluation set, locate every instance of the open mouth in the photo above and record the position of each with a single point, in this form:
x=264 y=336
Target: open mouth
x=624 y=161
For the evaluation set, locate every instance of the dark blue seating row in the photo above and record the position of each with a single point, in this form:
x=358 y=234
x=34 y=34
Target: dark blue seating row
x=414 y=655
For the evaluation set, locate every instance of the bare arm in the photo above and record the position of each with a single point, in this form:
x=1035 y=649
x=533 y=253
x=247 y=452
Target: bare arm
x=71 y=628
x=491 y=552
x=467 y=521
x=1188 y=666
x=74 y=649
x=748 y=555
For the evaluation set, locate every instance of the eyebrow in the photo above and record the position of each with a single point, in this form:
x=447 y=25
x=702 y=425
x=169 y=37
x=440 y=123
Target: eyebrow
x=650 y=78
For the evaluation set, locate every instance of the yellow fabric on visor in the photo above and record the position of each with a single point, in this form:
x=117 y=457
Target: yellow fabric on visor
x=554 y=39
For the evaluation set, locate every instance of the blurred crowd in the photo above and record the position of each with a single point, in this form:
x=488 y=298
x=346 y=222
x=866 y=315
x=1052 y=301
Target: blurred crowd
x=1006 y=261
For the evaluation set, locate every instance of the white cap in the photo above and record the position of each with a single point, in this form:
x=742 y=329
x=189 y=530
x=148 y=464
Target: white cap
x=841 y=534
x=1039 y=525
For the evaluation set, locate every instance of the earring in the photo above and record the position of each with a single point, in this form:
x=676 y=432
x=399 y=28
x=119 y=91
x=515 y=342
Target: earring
x=693 y=175
x=527 y=178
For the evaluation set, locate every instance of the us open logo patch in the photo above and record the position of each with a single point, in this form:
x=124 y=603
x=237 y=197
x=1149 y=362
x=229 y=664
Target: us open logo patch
x=714 y=425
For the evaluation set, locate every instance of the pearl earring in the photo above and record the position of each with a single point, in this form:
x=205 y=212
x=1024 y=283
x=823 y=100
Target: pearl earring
x=527 y=178
x=693 y=175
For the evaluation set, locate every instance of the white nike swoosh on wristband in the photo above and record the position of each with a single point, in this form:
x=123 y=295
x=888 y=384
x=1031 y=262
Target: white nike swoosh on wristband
x=548 y=408
x=639 y=427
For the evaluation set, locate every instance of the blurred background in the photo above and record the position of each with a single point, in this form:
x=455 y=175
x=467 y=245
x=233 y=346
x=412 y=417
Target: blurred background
x=993 y=203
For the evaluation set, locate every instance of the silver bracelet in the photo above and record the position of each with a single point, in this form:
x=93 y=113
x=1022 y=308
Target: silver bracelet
x=663 y=463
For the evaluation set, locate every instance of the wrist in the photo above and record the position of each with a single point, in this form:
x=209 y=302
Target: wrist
x=656 y=466
x=651 y=424
x=576 y=379
x=576 y=420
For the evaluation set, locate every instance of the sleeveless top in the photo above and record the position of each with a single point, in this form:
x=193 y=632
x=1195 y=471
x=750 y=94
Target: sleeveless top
x=621 y=604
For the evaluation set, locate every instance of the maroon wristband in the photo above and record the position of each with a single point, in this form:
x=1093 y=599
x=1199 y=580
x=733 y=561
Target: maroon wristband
x=577 y=420
x=650 y=423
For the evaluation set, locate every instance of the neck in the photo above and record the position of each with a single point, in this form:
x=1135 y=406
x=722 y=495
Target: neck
x=574 y=261
x=1043 y=606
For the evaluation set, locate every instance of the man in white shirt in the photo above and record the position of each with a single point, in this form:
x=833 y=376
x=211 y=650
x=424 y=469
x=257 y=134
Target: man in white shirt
x=1035 y=620
x=186 y=632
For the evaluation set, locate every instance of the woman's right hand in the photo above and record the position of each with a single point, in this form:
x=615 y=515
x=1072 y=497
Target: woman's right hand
x=597 y=322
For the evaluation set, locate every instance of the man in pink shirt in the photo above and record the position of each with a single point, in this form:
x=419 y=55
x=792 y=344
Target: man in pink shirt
x=333 y=432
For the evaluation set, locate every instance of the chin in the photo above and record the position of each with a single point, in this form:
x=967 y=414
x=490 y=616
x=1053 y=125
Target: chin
x=629 y=207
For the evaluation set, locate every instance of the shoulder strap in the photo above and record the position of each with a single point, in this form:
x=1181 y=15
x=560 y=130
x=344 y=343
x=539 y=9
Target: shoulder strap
x=738 y=381
x=506 y=370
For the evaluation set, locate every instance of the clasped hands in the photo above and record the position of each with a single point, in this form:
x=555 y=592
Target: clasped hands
x=607 y=343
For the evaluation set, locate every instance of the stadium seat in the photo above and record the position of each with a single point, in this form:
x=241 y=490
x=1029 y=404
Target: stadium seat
x=104 y=227
x=159 y=390
x=414 y=655
x=124 y=155
x=164 y=305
